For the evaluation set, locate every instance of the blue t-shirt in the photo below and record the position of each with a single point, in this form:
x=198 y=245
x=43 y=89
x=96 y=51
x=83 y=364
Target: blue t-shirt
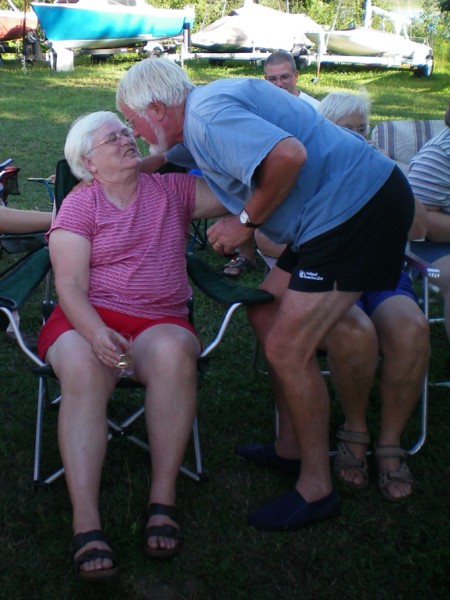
x=232 y=124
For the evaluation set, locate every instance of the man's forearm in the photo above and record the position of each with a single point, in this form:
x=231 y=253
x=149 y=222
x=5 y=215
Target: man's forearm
x=277 y=176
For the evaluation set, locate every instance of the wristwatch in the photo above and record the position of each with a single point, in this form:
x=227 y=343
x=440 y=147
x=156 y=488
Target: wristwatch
x=245 y=219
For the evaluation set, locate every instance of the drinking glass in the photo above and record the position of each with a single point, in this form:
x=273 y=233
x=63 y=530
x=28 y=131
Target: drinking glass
x=124 y=366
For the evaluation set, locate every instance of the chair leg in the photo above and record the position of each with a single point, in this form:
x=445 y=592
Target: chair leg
x=198 y=235
x=42 y=391
x=42 y=403
x=423 y=416
x=123 y=428
x=200 y=472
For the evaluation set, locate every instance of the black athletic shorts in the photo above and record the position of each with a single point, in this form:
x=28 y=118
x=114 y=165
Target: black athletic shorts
x=364 y=253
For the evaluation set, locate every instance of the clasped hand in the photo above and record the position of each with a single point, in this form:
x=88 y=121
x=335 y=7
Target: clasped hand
x=227 y=234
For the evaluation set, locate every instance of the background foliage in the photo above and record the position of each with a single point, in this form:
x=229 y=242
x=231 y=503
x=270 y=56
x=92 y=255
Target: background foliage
x=343 y=12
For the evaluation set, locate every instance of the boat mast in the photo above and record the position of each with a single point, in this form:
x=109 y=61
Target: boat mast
x=12 y=5
x=367 y=13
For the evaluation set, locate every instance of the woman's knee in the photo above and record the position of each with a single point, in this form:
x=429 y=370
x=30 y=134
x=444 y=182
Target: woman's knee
x=172 y=349
x=353 y=336
x=81 y=372
x=410 y=336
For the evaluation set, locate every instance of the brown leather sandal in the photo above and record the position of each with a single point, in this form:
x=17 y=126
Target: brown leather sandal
x=167 y=531
x=237 y=266
x=401 y=475
x=78 y=542
x=345 y=459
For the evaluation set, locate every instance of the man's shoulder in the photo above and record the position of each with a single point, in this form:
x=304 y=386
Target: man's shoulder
x=439 y=145
x=309 y=99
x=442 y=139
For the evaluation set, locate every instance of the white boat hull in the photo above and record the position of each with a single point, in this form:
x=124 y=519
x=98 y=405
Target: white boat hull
x=364 y=41
x=255 y=27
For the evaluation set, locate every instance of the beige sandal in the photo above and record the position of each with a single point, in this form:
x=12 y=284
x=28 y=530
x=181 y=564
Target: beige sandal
x=345 y=459
x=402 y=474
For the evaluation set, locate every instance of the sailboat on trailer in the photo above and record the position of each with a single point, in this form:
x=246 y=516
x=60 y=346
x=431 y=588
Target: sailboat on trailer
x=367 y=45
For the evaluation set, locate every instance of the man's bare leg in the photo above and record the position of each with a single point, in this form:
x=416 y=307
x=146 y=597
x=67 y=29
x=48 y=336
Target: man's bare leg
x=290 y=345
x=352 y=349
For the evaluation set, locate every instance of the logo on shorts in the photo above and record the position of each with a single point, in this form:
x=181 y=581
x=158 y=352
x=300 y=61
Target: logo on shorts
x=310 y=275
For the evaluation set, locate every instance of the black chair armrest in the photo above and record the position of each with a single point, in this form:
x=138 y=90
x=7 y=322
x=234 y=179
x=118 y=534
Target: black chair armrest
x=222 y=290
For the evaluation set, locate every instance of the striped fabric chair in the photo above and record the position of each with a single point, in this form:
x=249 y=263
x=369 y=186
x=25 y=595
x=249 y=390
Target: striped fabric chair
x=401 y=140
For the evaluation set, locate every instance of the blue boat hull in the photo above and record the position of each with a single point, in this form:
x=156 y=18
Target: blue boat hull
x=109 y=27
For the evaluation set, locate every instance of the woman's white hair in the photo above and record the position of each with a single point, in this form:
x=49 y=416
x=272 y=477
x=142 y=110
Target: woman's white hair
x=337 y=105
x=150 y=80
x=79 y=140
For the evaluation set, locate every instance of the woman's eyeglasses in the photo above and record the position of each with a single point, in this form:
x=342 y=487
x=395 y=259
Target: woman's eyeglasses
x=130 y=123
x=114 y=137
x=362 y=129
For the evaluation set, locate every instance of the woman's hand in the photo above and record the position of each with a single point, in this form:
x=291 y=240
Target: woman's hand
x=107 y=345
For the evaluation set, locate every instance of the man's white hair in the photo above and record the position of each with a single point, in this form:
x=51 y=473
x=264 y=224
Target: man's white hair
x=150 y=80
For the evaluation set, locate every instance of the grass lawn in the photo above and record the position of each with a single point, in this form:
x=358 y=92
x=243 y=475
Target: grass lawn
x=373 y=551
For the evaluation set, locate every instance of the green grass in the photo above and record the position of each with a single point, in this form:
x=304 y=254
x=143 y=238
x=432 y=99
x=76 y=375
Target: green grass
x=374 y=551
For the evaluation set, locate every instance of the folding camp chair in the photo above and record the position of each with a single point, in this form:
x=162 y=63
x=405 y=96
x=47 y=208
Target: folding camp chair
x=17 y=284
x=413 y=264
x=427 y=272
x=401 y=140
x=8 y=180
x=221 y=290
x=15 y=243
x=197 y=233
x=427 y=290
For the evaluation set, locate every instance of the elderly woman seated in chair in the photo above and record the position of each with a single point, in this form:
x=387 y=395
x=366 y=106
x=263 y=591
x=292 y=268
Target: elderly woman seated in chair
x=118 y=253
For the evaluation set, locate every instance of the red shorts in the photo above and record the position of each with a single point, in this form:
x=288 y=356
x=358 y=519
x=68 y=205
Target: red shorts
x=58 y=324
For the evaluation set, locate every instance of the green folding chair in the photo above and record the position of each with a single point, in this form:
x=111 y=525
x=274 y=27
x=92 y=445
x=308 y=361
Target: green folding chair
x=227 y=293
x=19 y=281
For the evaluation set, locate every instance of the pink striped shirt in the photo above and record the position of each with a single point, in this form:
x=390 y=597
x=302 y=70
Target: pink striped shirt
x=138 y=264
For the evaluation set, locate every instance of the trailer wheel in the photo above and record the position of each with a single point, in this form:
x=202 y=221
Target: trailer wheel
x=425 y=70
x=155 y=53
x=151 y=50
